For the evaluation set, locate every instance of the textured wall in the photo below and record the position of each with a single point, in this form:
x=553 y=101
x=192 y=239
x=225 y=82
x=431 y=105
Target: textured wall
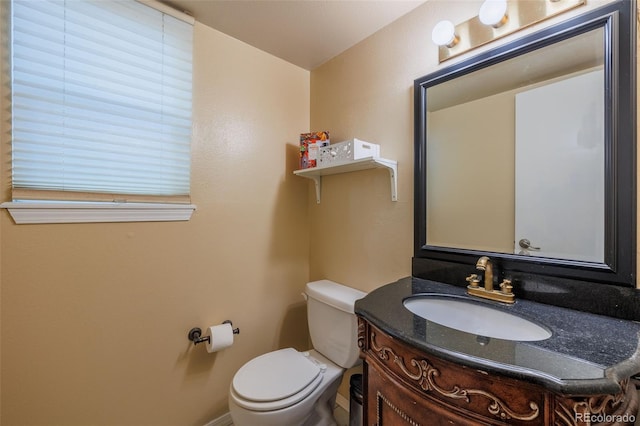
x=359 y=237
x=95 y=316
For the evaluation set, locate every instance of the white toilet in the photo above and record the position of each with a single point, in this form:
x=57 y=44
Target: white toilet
x=291 y=388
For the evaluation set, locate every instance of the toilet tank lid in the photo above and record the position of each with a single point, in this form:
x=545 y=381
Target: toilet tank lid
x=333 y=294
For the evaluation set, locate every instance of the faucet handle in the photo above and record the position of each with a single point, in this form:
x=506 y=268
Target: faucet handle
x=473 y=280
x=506 y=286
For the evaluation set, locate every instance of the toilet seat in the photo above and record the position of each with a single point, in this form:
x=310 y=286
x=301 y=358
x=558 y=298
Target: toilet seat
x=276 y=380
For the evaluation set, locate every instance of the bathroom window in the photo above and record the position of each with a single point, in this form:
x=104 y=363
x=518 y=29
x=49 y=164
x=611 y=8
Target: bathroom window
x=101 y=106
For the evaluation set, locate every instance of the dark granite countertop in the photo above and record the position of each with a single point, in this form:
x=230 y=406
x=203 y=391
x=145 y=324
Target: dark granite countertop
x=586 y=354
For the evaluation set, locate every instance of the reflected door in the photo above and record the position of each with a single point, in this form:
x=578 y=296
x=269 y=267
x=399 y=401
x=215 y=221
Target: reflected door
x=559 y=169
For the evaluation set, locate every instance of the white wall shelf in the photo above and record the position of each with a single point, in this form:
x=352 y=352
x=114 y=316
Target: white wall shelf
x=316 y=173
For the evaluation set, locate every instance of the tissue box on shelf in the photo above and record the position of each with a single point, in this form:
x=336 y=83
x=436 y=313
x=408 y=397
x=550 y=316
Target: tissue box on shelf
x=310 y=144
x=353 y=149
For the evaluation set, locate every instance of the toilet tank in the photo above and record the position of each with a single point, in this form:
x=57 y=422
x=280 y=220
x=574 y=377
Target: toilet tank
x=333 y=325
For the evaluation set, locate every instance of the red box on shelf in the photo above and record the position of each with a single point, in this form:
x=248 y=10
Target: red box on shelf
x=310 y=144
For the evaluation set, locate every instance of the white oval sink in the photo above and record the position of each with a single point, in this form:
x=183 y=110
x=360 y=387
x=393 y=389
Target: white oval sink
x=475 y=318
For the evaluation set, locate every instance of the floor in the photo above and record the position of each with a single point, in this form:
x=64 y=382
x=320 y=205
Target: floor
x=342 y=417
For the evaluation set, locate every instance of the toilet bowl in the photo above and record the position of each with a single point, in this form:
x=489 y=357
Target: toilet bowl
x=302 y=395
x=291 y=388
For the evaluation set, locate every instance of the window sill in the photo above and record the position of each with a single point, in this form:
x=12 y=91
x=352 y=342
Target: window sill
x=31 y=212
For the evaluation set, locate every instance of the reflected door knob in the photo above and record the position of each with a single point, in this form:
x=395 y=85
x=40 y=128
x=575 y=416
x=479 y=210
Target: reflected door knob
x=526 y=244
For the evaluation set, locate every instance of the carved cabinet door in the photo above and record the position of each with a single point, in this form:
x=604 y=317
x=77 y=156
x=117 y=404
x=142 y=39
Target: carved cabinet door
x=393 y=404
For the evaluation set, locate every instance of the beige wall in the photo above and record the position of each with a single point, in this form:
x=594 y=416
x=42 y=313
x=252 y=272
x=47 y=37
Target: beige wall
x=95 y=316
x=359 y=236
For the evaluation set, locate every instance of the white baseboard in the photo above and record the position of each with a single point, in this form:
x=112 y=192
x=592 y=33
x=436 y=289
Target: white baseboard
x=342 y=402
x=224 y=420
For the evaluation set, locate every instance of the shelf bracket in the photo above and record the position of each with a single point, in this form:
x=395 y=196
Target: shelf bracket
x=317 y=180
x=393 y=172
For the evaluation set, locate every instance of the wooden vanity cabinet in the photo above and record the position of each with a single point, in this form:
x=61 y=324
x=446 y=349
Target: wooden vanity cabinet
x=405 y=386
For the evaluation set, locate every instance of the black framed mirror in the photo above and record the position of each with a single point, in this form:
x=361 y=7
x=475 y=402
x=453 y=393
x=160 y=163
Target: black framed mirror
x=526 y=153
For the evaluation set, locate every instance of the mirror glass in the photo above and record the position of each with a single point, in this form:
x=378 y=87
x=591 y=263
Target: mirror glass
x=515 y=154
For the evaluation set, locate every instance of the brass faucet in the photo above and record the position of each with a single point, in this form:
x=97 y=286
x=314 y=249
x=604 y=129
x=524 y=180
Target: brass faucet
x=485 y=264
x=505 y=294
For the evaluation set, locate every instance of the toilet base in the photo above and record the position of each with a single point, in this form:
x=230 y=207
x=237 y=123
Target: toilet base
x=322 y=414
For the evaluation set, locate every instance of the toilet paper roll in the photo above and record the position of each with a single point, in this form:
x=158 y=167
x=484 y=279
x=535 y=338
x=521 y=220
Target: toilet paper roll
x=221 y=337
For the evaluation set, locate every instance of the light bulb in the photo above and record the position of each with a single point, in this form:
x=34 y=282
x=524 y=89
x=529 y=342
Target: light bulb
x=493 y=12
x=444 y=34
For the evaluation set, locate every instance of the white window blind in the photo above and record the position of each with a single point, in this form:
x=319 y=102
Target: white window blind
x=101 y=101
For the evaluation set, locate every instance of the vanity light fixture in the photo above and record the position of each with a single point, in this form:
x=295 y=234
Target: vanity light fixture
x=496 y=19
x=444 y=34
x=493 y=13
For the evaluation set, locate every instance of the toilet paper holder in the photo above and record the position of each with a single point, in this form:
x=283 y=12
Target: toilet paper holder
x=195 y=334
